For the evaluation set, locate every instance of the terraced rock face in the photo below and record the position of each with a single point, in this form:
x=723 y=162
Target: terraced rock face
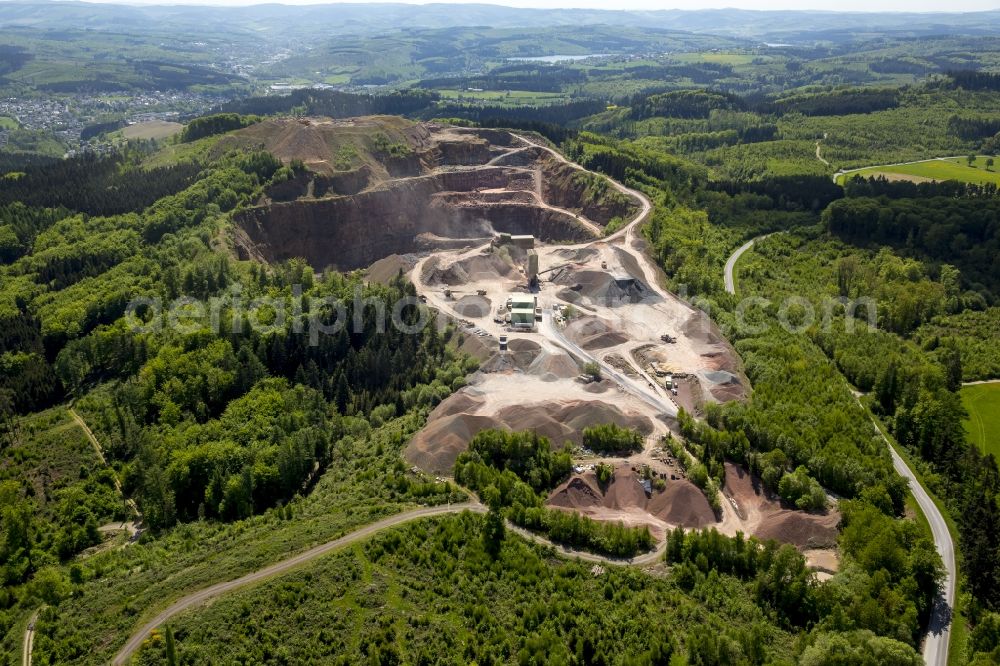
x=406 y=187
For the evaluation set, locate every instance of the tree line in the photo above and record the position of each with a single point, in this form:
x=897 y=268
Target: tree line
x=97 y=185
x=962 y=232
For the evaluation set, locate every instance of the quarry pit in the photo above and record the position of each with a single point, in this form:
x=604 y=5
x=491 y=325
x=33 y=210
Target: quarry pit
x=436 y=202
x=380 y=186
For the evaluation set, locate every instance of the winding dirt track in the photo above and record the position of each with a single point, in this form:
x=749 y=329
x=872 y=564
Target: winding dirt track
x=29 y=640
x=201 y=596
x=130 y=503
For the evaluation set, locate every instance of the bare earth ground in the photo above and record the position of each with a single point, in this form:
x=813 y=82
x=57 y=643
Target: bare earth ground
x=619 y=315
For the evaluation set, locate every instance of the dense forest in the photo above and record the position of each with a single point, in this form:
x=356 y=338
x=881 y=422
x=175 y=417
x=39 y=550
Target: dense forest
x=95 y=185
x=199 y=423
x=962 y=232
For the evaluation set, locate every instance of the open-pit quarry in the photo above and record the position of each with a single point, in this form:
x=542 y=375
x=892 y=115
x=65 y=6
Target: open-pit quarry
x=454 y=208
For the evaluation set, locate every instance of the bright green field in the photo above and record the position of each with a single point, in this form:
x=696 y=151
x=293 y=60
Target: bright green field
x=523 y=97
x=945 y=169
x=8 y=123
x=982 y=401
x=720 y=58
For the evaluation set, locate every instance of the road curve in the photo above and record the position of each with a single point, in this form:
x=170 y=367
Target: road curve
x=727 y=276
x=935 y=648
x=731 y=264
x=203 y=595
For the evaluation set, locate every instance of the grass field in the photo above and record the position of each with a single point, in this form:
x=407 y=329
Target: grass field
x=941 y=169
x=155 y=129
x=718 y=58
x=8 y=123
x=521 y=97
x=982 y=401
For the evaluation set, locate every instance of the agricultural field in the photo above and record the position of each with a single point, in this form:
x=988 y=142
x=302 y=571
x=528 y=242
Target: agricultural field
x=154 y=129
x=513 y=97
x=951 y=168
x=7 y=122
x=982 y=402
x=720 y=58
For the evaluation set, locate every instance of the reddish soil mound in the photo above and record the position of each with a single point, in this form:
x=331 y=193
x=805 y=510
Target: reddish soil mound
x=682 y=503
x=436 y=447
x=746 y=489
x=768 y=519
x=453 y=424
x=579 y=492
x=802 y=530
x=593 y=333
x=625 y=491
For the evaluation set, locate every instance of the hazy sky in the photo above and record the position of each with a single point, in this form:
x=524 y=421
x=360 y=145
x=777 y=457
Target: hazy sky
x=840 y=5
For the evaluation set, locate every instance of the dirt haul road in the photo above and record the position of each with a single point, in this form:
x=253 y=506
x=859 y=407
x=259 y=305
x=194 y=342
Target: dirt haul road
x=29 y=640
x=201 y=596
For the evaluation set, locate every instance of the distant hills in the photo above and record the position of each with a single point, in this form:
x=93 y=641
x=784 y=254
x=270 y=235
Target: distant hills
x=290 y=22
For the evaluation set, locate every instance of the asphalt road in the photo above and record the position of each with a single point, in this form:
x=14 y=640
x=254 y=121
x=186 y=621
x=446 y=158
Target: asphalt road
x=731 y=264
x=935 y=648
